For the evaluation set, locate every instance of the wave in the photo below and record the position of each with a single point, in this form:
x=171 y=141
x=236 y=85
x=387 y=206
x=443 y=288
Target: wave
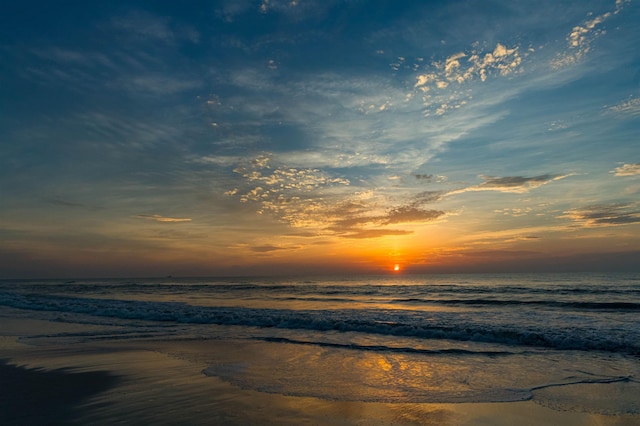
x=383 y=348
x=624 y=306
x=312 y=288
x=460 y=327
x=578 y=305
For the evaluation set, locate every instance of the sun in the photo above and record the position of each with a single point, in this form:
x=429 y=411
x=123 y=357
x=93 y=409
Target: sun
x=396 y=267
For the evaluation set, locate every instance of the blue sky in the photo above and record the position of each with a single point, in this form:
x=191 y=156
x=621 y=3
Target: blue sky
x=262 y=137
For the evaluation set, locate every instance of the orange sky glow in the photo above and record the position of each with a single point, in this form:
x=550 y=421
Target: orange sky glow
x=329 y=138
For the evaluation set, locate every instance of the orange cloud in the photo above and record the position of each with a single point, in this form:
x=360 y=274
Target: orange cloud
x=162 y=219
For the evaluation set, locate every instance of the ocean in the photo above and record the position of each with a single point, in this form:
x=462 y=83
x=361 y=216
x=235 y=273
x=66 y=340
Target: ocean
x=564 y=341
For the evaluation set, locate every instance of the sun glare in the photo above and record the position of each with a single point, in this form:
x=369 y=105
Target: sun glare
x=396 y=267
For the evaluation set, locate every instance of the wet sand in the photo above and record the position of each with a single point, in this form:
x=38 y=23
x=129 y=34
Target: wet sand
x=162 y=382
x=36 y=396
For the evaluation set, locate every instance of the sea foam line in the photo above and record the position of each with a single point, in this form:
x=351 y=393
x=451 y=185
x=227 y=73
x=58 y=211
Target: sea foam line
x=383 y=348
x=449 y=326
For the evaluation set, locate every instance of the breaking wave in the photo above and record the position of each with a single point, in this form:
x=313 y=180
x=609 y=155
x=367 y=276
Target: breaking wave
x=474 y=327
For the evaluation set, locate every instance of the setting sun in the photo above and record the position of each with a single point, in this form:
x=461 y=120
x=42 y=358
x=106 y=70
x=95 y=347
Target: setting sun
x=396 y=267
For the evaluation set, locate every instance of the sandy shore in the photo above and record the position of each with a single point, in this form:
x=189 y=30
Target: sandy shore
x=162 y=382
x=37 y=396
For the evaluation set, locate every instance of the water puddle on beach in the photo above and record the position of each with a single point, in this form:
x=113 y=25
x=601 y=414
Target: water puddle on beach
x=558 y=380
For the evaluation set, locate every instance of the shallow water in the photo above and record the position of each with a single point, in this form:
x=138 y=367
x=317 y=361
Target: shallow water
x=564 y=341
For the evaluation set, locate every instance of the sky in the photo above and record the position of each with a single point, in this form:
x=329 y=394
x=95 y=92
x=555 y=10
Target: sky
x=277 y=137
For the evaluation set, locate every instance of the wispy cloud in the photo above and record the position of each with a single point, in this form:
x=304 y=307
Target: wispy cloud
x=75 y=57
x=64 y=203
x=268 y=248
x=632 y=169
x=629 y=107
x=144 y=26
x=228 y=10
x=513 y=184
x=118 y=131
x=493 y=254
x=277 y=5
x=139 y=64
x=174 y=234
x=158 y=85
x=515 y=211
x=162 y=219
x=605 y=215
x=374 y=233
x=357 y=120
x=79 y=70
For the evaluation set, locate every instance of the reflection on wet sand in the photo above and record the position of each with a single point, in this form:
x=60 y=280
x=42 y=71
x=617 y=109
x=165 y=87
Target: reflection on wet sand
x=162 y=382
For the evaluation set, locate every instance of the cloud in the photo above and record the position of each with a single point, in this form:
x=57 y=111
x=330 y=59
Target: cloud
x=79 y=70
x=374 y=233
x=88 y=71
x=289 y=193
x=354 y=219
x=267 y=248
x=74 y=57
x=359 y=119
x=409 y=214
x=163 y=219
x=493 y=254
x=143 y=26
x=430 y=178
x=557 y=125
x=462 y=67
x=304 y=234
x=158 y=85
x=425 y=177
x=459 y=69
x=512 y=184
x=630 y=107
x=217 y=160
x=632 y=169
x=313 y=199
x=347 y=222
x=620 y=4
x=523 y=238
x=427 y=197
x=174 y=234
x=604 y=215
x=515 y=212
x=297 y=10
x=367 y=127
x=137 y=58
x=65 y=203
x=581 y=37
x=229 y=9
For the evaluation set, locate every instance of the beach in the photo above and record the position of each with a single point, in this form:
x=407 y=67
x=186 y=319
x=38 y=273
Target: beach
x=150 y=382
x=63 y=367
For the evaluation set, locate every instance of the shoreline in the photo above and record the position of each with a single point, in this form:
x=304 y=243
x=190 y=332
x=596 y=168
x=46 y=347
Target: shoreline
x=136 y=381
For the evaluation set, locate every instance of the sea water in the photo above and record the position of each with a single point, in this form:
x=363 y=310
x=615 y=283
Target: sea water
x=566 y=341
